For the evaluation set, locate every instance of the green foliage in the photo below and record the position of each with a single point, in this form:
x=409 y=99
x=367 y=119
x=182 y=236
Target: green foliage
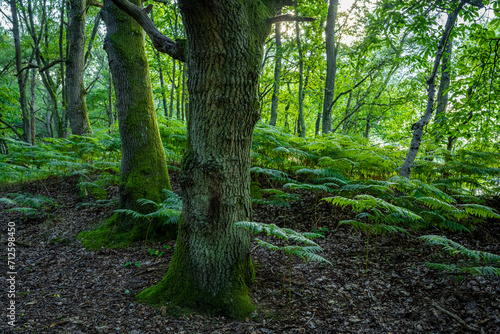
x=308 y=252
x=168 y=211
x=31 y=206
x=456 y=249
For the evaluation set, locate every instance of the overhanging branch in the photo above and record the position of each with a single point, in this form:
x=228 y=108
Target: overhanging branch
x=161 y=42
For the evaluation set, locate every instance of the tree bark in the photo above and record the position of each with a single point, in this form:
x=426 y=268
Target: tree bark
x=444 y=85
x=277 y=75
x=418 y=127
x=21 y=77
x=211 y=268
x=143 y=166
x=331 y=66
x=75 y=93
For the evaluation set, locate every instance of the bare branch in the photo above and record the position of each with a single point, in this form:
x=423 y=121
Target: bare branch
x=289 y=17
x=161 y=42
x=52 y=63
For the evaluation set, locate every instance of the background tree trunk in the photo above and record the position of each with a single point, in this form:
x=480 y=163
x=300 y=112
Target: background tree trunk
x=331 y=66
x=418 y=127
x=21 y=77
x=75 y=93
x=277 y=75
x=301 y=123
x=444 y=85
x=143 y=166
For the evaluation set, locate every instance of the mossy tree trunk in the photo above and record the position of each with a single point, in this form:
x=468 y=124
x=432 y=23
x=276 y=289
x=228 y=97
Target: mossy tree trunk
x=143 y=166
x=211 y=268
x=76 y=93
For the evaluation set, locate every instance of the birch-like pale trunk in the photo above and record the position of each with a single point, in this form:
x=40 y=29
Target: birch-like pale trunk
x=418 y=127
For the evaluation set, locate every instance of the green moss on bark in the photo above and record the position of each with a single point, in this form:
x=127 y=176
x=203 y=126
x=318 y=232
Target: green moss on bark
x=180 y=288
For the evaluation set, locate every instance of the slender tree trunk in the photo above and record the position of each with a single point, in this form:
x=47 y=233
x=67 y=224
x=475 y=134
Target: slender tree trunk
x=76 y=94
x=110 y=100
x=172 y=91
x=143 y=166
x=277 y=75
x=211 y=268
x=301 y=124
x=184 y=100
x=32 y=129
x=444 y=85
x=418 y=127
x=21 y=81
x=366 y=133
x=318 y=124
x=60 y=123
x=178 y=96
x=331 y=66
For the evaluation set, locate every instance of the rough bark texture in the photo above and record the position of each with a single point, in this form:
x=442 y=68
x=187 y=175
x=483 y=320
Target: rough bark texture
x=211 y=268
x=331 y=66
x=277 y=75
x=418 y=127
x=76 y=94
x=143 y=166
x=21 y=78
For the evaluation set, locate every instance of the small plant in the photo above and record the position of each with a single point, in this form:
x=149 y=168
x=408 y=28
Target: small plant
x=137 y=264
x=155 y=252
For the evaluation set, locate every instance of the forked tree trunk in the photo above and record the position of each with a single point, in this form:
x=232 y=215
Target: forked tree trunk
x=143 y=166
x=211 y=268
x=76 y=94
x=418 y=127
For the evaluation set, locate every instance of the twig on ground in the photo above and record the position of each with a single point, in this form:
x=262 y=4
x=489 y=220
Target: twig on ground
x=456 y=317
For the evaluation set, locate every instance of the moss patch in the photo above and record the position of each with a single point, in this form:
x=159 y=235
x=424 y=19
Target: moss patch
x=179 y=288
x=117 y=234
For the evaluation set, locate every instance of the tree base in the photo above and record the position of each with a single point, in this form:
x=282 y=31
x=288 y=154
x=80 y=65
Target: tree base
x=114 y=234
x=179 y=288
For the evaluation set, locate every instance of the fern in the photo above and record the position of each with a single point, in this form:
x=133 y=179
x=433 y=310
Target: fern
x=169 y=210
x=308 y=252
x=455 y=249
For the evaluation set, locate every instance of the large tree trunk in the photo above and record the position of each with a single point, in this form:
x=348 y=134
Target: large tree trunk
x=331 y=66
x=21 y=77
x=143 y=166
x=277 y=75
x=76 y=94
x=211 y=268
x=418 y=127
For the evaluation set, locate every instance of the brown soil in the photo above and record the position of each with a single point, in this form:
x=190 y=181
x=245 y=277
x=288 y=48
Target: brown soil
x=65 y=288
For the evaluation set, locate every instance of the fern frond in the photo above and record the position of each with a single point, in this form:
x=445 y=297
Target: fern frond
x=479 y=210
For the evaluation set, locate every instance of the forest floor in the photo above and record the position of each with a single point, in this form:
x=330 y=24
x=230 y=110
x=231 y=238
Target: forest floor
x=64 y=288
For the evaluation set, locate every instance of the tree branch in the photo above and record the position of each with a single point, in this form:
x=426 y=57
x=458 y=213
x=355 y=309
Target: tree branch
x=13 y=129
x=161 y=42
x=289 y=17
x=52 y=63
